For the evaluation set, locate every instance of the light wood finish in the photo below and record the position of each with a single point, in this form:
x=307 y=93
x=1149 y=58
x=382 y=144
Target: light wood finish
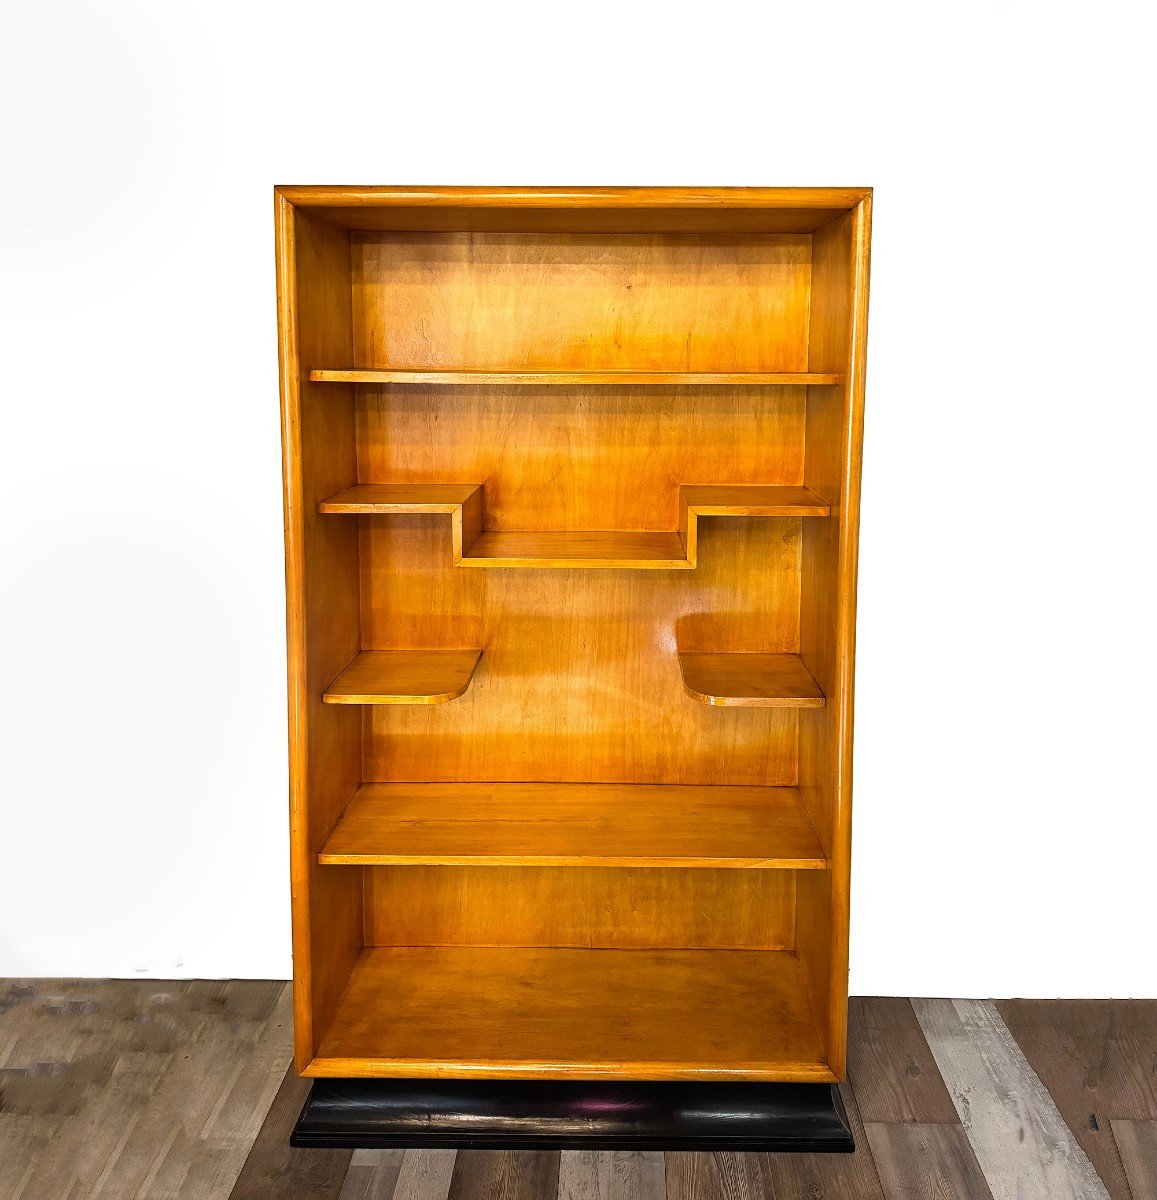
x=462 y=501
x=572 y=378
x=314 y=313
x=472 y=547
x=701 y=908
x=611 y=1175
x=615 y=551
x=838 y=325
x=594 y=825
x=552 y=379
x=587 y=1014
x=580 y=678
x=1020 y=1139
x=569 y=210
x=404 y=677
x=753 y=501
x=747 y=680
x=651 y=303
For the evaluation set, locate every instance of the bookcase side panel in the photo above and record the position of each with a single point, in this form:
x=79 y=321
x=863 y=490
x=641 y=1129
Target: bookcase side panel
x=827 y=610
x=319 y=443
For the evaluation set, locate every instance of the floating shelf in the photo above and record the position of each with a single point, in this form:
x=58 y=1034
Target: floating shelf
x=605 y=549
x=750 y=680
x=574 y=824
x=404 y=677
x=518 y=1013
x=585 y=378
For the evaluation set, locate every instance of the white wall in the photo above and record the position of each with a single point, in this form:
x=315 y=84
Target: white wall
x=1005 y=823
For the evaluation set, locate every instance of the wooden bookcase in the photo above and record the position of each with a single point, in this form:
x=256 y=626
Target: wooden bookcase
x=571 y=520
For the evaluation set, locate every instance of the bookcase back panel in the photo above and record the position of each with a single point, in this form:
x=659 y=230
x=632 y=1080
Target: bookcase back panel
x=579 y=678
x=616 y=907
x=510 y=301
x=578 y=458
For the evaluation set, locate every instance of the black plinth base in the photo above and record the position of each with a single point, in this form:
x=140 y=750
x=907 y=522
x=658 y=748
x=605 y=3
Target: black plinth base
x=573 y=1115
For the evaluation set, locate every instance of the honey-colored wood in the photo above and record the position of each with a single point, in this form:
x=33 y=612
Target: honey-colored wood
x=750 y=680
x=580 y=680
x=592 y=825
x=636 y=416
x=605 y=549
x=572 y=378
x=559 y=302
x=616 y=551
x=495 y=1012
x=404 y=677
x=835 y=419
x=613 y=907
x=322 y=616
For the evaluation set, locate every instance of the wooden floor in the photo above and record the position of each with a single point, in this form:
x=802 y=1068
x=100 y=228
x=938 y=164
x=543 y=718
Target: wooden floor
x=132 y=1090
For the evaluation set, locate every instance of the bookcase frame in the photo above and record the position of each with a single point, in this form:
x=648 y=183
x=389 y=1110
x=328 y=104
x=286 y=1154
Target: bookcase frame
x=555 y=817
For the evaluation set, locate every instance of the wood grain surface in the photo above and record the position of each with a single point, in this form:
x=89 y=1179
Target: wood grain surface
x=611 y=1175
x=915 y=1162
x=1137 y=1143
x=561 y=824
x=1098 y=1060
x=1020 y=1139
x=890 y=1066
x=179 y=1092
x=497 y=1012
x=275 y=1169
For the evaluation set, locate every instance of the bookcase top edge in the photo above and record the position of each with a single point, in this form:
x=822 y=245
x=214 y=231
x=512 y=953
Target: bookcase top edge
x=388 y=196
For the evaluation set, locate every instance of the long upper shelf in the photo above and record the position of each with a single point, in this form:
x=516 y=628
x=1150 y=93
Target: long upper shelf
x=584 y=378
x=574 y=824
x=607 y=549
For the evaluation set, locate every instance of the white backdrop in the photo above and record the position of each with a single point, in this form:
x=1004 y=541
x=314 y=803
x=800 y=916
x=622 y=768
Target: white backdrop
x=1005 y=828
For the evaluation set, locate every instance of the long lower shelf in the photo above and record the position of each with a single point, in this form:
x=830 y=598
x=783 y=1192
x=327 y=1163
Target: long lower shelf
x=533 y=1012
x=574 y=824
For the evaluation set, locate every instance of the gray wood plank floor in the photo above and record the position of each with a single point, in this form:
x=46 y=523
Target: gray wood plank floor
x=139 y=1090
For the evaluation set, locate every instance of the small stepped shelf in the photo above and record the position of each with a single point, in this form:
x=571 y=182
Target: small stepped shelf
x=583 y=378
x=585 y=1013
x=606 y=549
x=750 y=680
x=404 y=677
x=567 y=824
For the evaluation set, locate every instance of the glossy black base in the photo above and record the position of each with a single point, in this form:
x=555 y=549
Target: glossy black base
x=573 y=1115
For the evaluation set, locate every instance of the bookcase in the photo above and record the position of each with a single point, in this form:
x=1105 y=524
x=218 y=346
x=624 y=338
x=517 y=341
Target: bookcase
x=571 y=523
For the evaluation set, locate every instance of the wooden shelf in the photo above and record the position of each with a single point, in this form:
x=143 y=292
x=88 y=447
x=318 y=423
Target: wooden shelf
x=526 y=1012
x=380 y=498
x=584 y=378
x=568 y=824
x=404 y=677
x=753 y=500
x=606 y=549
x=750 y=680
